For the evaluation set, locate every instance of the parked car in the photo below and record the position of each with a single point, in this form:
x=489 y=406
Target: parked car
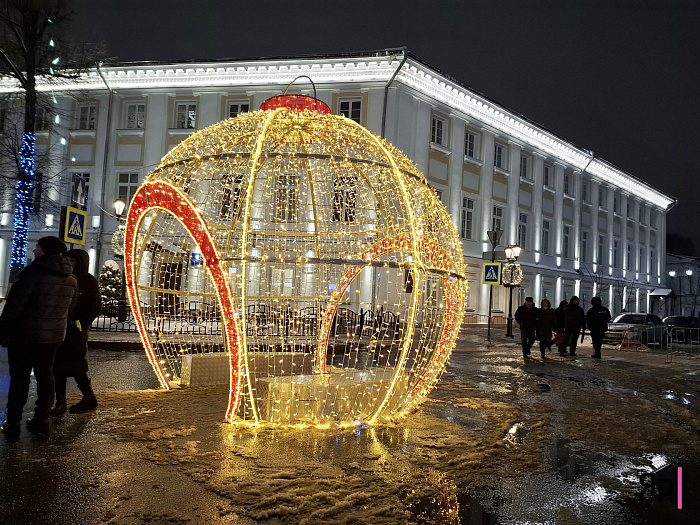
x=648 y=329
x=683 y=329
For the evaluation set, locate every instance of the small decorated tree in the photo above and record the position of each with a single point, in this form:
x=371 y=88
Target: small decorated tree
x=110 y=284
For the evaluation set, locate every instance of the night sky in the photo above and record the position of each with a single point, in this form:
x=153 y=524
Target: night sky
x=618 y=77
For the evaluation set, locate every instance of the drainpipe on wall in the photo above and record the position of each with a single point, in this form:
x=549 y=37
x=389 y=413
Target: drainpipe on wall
x=386 y=88
x=104 y=172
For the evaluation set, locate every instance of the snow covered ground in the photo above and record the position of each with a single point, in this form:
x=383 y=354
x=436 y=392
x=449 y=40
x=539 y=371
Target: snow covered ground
x=501 y=440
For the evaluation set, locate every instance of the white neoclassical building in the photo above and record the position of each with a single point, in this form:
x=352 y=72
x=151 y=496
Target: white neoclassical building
x=586 y=227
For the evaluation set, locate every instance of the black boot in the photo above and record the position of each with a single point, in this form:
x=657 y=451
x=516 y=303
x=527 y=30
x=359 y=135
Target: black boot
x=39 y=424
x=88 y=402
x=60 y=407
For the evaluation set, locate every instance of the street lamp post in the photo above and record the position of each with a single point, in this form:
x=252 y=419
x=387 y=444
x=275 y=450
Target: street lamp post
x=512 y=277
x=118 y=206
x=672 y=274
x=494 y=237
x=689 y=273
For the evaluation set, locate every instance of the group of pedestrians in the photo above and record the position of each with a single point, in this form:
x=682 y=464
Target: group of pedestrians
x=44 y=325
x=561 y=326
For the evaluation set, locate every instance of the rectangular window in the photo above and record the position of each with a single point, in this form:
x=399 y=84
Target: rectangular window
x=497 y=218
x=42 y=120
x=135 y=115
x=237 y=107
x=185 y=115
x=630 y=210
x=548 y=175
x=641 y=266
x=286 y=197
x=628 y=265
x=601 y=250
x=344 y=198
x=652 y=262
x=545 y=236
x=438 y=131
x=471 y=145
x=616 y=203
x=522 y=231
x=616 y=253
x=568 y=186
x=584 y=192
x=352 y=109
x=584 y=246
x=566 y=248
x=524 y=167
x=642 y=214
x=466 y=219
x=87 y=116
x=602 y=198
x=231 y=198
x=652 y=218
x=499 y=157
x=38 y=182
x=3 y=118
x=128 y=184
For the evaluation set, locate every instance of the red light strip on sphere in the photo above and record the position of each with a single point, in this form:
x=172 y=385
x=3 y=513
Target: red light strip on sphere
x=154 y=195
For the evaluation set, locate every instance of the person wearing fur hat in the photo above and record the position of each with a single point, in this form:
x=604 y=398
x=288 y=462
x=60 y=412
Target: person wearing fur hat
x=32 y=326
x=71 y=357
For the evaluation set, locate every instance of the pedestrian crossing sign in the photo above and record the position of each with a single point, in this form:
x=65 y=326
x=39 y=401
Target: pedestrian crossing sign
x=491 y=273
x=74 y=231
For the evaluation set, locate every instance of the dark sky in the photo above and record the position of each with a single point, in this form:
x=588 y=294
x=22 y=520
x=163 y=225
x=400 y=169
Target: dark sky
x=618 y=77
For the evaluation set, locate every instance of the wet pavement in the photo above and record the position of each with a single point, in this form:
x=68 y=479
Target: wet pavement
x=562 y=440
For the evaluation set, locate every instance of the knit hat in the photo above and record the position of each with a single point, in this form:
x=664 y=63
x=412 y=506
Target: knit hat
x=529 y=300
x=52 y=245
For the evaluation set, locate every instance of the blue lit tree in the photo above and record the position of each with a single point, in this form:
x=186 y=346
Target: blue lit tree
x=27 y=53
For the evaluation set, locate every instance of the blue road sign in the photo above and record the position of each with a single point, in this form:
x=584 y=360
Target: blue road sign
x=491 y=273
x=75 y=226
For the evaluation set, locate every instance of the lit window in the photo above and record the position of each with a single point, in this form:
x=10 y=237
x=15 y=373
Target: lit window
x=567 y=242
x=522 y=231
x=584 y=246
x=128 y=184
x=87 y=116
x=499 y=157
x=231 y=198
x=344 y=199
x=185 y=115
x=524 y=167
x=548 y=175
x=286 y=197
x=135 y=115
x=351 y=108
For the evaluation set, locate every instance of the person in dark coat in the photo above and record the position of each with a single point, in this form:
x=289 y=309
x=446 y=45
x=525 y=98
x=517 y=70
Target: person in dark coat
x=526 y=316
x=561 y=327
x=546 y=324
x=71 y=357
x=33 y=324
x=597 y=319
x=573 y=323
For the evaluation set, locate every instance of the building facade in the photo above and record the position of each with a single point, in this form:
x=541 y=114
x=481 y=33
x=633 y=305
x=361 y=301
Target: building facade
x=586 y=227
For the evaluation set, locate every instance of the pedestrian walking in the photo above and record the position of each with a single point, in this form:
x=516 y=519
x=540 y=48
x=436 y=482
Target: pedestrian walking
x=597 y=319
x=561 y=327
x=546 y=324
x=526 y=317
x=573 y=323
x=33 y=324
x=71 y=356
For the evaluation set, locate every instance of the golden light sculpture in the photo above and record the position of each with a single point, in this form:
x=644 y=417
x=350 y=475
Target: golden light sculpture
x=302 y=257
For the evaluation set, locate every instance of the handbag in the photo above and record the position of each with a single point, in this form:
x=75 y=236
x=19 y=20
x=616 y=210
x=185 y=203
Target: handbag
x=560 y=340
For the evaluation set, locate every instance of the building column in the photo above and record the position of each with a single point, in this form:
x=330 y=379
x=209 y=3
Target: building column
x=513 y=211
x=595 y=211
x=455 y=169
x=558 y=211
x=486 y=202
x=623 y=236
x=578 y=189
x=635 y=244
x=610 y=228
x=537 y=195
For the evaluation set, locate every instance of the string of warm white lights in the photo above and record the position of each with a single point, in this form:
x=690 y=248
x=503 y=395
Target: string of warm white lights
x=306 y=257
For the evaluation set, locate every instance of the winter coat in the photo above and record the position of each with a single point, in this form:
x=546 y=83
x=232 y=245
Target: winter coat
x=71 y=357
x=573 y=317
x=561 y=319
x=597 y=317
x=39 y=303
x=547 y=323
x=526 y=317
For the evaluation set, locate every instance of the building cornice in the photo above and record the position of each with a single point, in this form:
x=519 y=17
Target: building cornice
x=333 y=70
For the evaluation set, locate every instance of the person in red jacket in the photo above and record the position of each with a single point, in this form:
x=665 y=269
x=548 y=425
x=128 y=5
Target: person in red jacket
x=33 y=324
x=526 y=316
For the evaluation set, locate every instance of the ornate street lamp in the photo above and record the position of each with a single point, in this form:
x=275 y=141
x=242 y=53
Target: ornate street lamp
x=118 y=206
x=512 y=277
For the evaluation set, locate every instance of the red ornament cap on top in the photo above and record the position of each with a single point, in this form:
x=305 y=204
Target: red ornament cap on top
x=298 y=102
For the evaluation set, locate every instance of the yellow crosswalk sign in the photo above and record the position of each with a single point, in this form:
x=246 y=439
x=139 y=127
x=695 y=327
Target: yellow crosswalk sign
x=75 y=226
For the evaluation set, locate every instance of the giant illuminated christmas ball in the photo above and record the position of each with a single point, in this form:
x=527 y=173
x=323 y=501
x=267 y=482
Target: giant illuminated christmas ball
x=301 y=257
